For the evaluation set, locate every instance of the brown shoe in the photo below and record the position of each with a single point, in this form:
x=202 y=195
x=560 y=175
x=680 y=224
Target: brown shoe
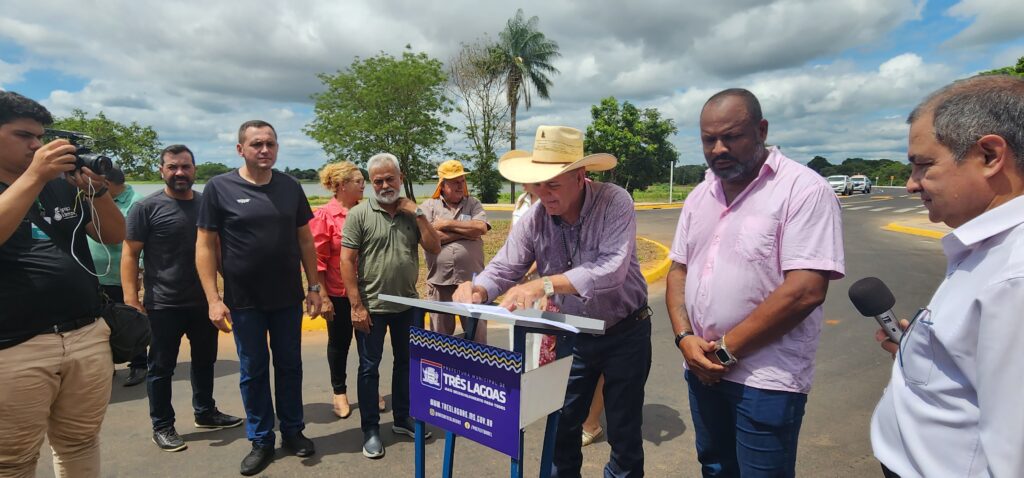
x=341 y=406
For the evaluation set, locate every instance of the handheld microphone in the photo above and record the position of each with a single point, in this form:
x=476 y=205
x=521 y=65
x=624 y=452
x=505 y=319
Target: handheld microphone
x=873 y=299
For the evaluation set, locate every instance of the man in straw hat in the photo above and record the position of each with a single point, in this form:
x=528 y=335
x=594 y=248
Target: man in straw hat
x=583 y=240
x=459 y=220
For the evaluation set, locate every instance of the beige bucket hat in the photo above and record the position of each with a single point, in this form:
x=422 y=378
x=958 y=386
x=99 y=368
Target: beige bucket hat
x=556 y=149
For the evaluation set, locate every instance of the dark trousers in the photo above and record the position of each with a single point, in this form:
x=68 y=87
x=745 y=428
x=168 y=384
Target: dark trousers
x=339 y=339
x=745 y=431
x=625 y=361
x=168 y=326
x=887 y=473
x=371 y=350
x=251 y=328
x=116 y=294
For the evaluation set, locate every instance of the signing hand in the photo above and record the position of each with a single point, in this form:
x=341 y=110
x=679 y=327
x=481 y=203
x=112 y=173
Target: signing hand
x=467 y=293
x=523 y=296
x=220 y=315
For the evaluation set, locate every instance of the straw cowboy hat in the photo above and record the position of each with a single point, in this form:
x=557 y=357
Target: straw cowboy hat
x=450 y=169
x=556 y=149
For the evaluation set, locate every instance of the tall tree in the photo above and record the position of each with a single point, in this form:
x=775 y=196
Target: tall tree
x=385 y=104
x=818 y=163
x=638 y=138
x=133 y=147
x=478 y=87
x=526 y=56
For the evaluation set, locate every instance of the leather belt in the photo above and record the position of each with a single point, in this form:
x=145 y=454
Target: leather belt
x=631 y=320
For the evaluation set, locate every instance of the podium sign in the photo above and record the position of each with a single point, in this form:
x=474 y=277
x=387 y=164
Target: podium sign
x=470 y=389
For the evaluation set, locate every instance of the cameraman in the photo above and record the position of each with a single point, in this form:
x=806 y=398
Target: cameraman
x=55 y=362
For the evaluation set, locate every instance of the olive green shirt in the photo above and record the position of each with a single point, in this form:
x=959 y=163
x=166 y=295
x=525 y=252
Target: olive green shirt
x=388 y=258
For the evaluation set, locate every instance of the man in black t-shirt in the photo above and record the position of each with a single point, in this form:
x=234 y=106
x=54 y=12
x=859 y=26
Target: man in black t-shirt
x=256 y=218
x=163 y=226
x=55 y=361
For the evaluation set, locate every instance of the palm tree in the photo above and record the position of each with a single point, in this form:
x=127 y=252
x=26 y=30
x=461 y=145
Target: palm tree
x=525 y=60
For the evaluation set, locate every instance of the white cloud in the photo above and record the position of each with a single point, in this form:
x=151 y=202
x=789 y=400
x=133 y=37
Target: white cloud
x=993 y=21
x=10 y=73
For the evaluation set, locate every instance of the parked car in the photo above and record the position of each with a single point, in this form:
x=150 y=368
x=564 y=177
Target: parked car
x=841 y=184
x=861 y=184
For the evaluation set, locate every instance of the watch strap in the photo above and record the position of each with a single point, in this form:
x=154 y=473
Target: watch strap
x=682 y=335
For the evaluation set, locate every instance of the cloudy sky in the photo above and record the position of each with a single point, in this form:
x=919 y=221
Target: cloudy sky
x=835 y=77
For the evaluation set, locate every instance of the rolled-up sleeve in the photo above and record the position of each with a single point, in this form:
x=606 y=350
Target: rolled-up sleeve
x=618 y=242
x=1000 y=365
x=321 y=229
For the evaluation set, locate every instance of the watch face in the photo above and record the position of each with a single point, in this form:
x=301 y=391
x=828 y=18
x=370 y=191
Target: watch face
x=722 y=355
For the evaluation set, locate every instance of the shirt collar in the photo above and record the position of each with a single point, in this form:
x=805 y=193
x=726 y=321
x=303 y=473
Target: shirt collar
x=335 y=208
x=770 y=166
x=988 y=224
x=125 y=195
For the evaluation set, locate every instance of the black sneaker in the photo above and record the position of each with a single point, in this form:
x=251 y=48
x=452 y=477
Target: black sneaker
x=373 y=448
x=136 y=375
x=407 y=428
x=257 y=460
x=168 y=440
x=298 y=444
x=218 y=420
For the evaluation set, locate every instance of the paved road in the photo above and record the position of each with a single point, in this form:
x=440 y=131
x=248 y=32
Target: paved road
x=851 y=372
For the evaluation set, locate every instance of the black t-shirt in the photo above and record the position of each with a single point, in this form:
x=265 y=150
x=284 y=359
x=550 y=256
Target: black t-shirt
x=258 y=228
x=167 y=227
x=41 y=285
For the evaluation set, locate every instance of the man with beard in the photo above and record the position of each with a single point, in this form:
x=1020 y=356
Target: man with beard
x=755 y=247
x=254 y=228
x=163 y=227
x=380 y=239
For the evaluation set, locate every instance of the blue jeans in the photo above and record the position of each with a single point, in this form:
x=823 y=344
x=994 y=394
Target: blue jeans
x=745 y=431
x=251 y=328
x=371 y=350
x=168 y=325
x=625 y=361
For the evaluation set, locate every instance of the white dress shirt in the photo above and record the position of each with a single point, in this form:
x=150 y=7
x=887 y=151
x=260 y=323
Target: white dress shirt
x=953 y=407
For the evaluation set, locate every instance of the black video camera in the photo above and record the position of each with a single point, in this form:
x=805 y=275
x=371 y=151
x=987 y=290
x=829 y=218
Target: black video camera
x=84 y=157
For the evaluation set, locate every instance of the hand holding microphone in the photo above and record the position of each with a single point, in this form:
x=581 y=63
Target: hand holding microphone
x=872 y=298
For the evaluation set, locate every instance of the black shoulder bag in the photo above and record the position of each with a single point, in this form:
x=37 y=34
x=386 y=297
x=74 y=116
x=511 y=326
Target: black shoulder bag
x=129 y=328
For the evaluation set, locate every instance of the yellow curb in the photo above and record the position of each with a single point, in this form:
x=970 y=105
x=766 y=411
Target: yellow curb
x=894 y=227
x=651 y=274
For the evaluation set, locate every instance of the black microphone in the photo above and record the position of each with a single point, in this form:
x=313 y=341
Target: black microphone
x=873 y=299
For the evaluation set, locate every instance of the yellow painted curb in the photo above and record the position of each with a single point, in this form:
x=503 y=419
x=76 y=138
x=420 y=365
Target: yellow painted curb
x=651 y=274
x=894 y=227
x=660 y=270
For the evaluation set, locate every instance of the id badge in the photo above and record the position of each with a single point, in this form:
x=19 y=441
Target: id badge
x=38 y=233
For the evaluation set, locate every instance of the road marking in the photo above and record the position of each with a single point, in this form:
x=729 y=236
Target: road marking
x=919 y=205
x=832 y=322
x=880 y=209
x=922 y=212
x=858 y=207
x=905 y=209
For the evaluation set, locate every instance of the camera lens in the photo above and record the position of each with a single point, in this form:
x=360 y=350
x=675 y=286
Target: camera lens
x=98 y=163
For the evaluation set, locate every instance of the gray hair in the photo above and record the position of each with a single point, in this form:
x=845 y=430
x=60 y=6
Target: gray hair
x=966 y=110
x=380 y=159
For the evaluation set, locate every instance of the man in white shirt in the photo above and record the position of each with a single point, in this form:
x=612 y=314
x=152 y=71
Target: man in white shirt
x=952 y=407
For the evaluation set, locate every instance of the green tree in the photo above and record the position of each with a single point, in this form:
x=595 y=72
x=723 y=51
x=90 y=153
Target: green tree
x=478 y=88
x=525 y=61
x=818 y=163
x=133 y=147
x=385 y=104
x=1015 y=70
x=638 y=138
x=205 y=171
x=689 y=174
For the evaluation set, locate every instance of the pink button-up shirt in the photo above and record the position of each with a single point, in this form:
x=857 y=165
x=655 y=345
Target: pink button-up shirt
x=788 y=218
x=326 y=226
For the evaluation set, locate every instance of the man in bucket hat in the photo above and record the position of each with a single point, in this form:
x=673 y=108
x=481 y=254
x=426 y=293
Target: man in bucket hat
x=583 y=240
x=459 y=220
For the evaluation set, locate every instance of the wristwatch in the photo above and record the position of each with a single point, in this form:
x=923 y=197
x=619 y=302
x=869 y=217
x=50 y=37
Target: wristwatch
x=313 y=288
x=419 y=212
x=549 y=288
x=682 y=335
x=723 y=354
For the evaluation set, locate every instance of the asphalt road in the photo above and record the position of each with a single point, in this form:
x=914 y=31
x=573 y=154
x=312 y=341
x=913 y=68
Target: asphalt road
x=851 y=372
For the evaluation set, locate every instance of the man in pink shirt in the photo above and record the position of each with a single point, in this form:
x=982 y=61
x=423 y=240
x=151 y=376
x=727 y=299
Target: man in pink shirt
x=756 y=245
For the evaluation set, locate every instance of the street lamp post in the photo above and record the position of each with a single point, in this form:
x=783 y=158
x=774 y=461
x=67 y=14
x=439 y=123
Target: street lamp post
x=671 y=172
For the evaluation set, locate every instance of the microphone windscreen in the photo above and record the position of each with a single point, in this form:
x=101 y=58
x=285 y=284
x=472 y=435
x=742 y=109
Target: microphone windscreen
x=871 y=297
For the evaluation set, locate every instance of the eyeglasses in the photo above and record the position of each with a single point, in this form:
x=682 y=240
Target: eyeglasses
x=923 y=315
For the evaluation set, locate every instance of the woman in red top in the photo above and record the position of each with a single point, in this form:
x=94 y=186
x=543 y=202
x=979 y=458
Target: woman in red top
x=346 y=182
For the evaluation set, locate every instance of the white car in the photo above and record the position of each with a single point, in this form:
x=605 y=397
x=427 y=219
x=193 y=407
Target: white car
x=841 y=184
x=861 y=184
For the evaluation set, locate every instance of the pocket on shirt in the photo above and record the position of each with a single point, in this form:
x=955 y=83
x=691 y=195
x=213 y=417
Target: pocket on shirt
x=755 y=241
x=917 y=356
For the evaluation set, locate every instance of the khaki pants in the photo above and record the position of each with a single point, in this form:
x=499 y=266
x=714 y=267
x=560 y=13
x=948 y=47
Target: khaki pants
x=57 y=385
x=445 y=323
